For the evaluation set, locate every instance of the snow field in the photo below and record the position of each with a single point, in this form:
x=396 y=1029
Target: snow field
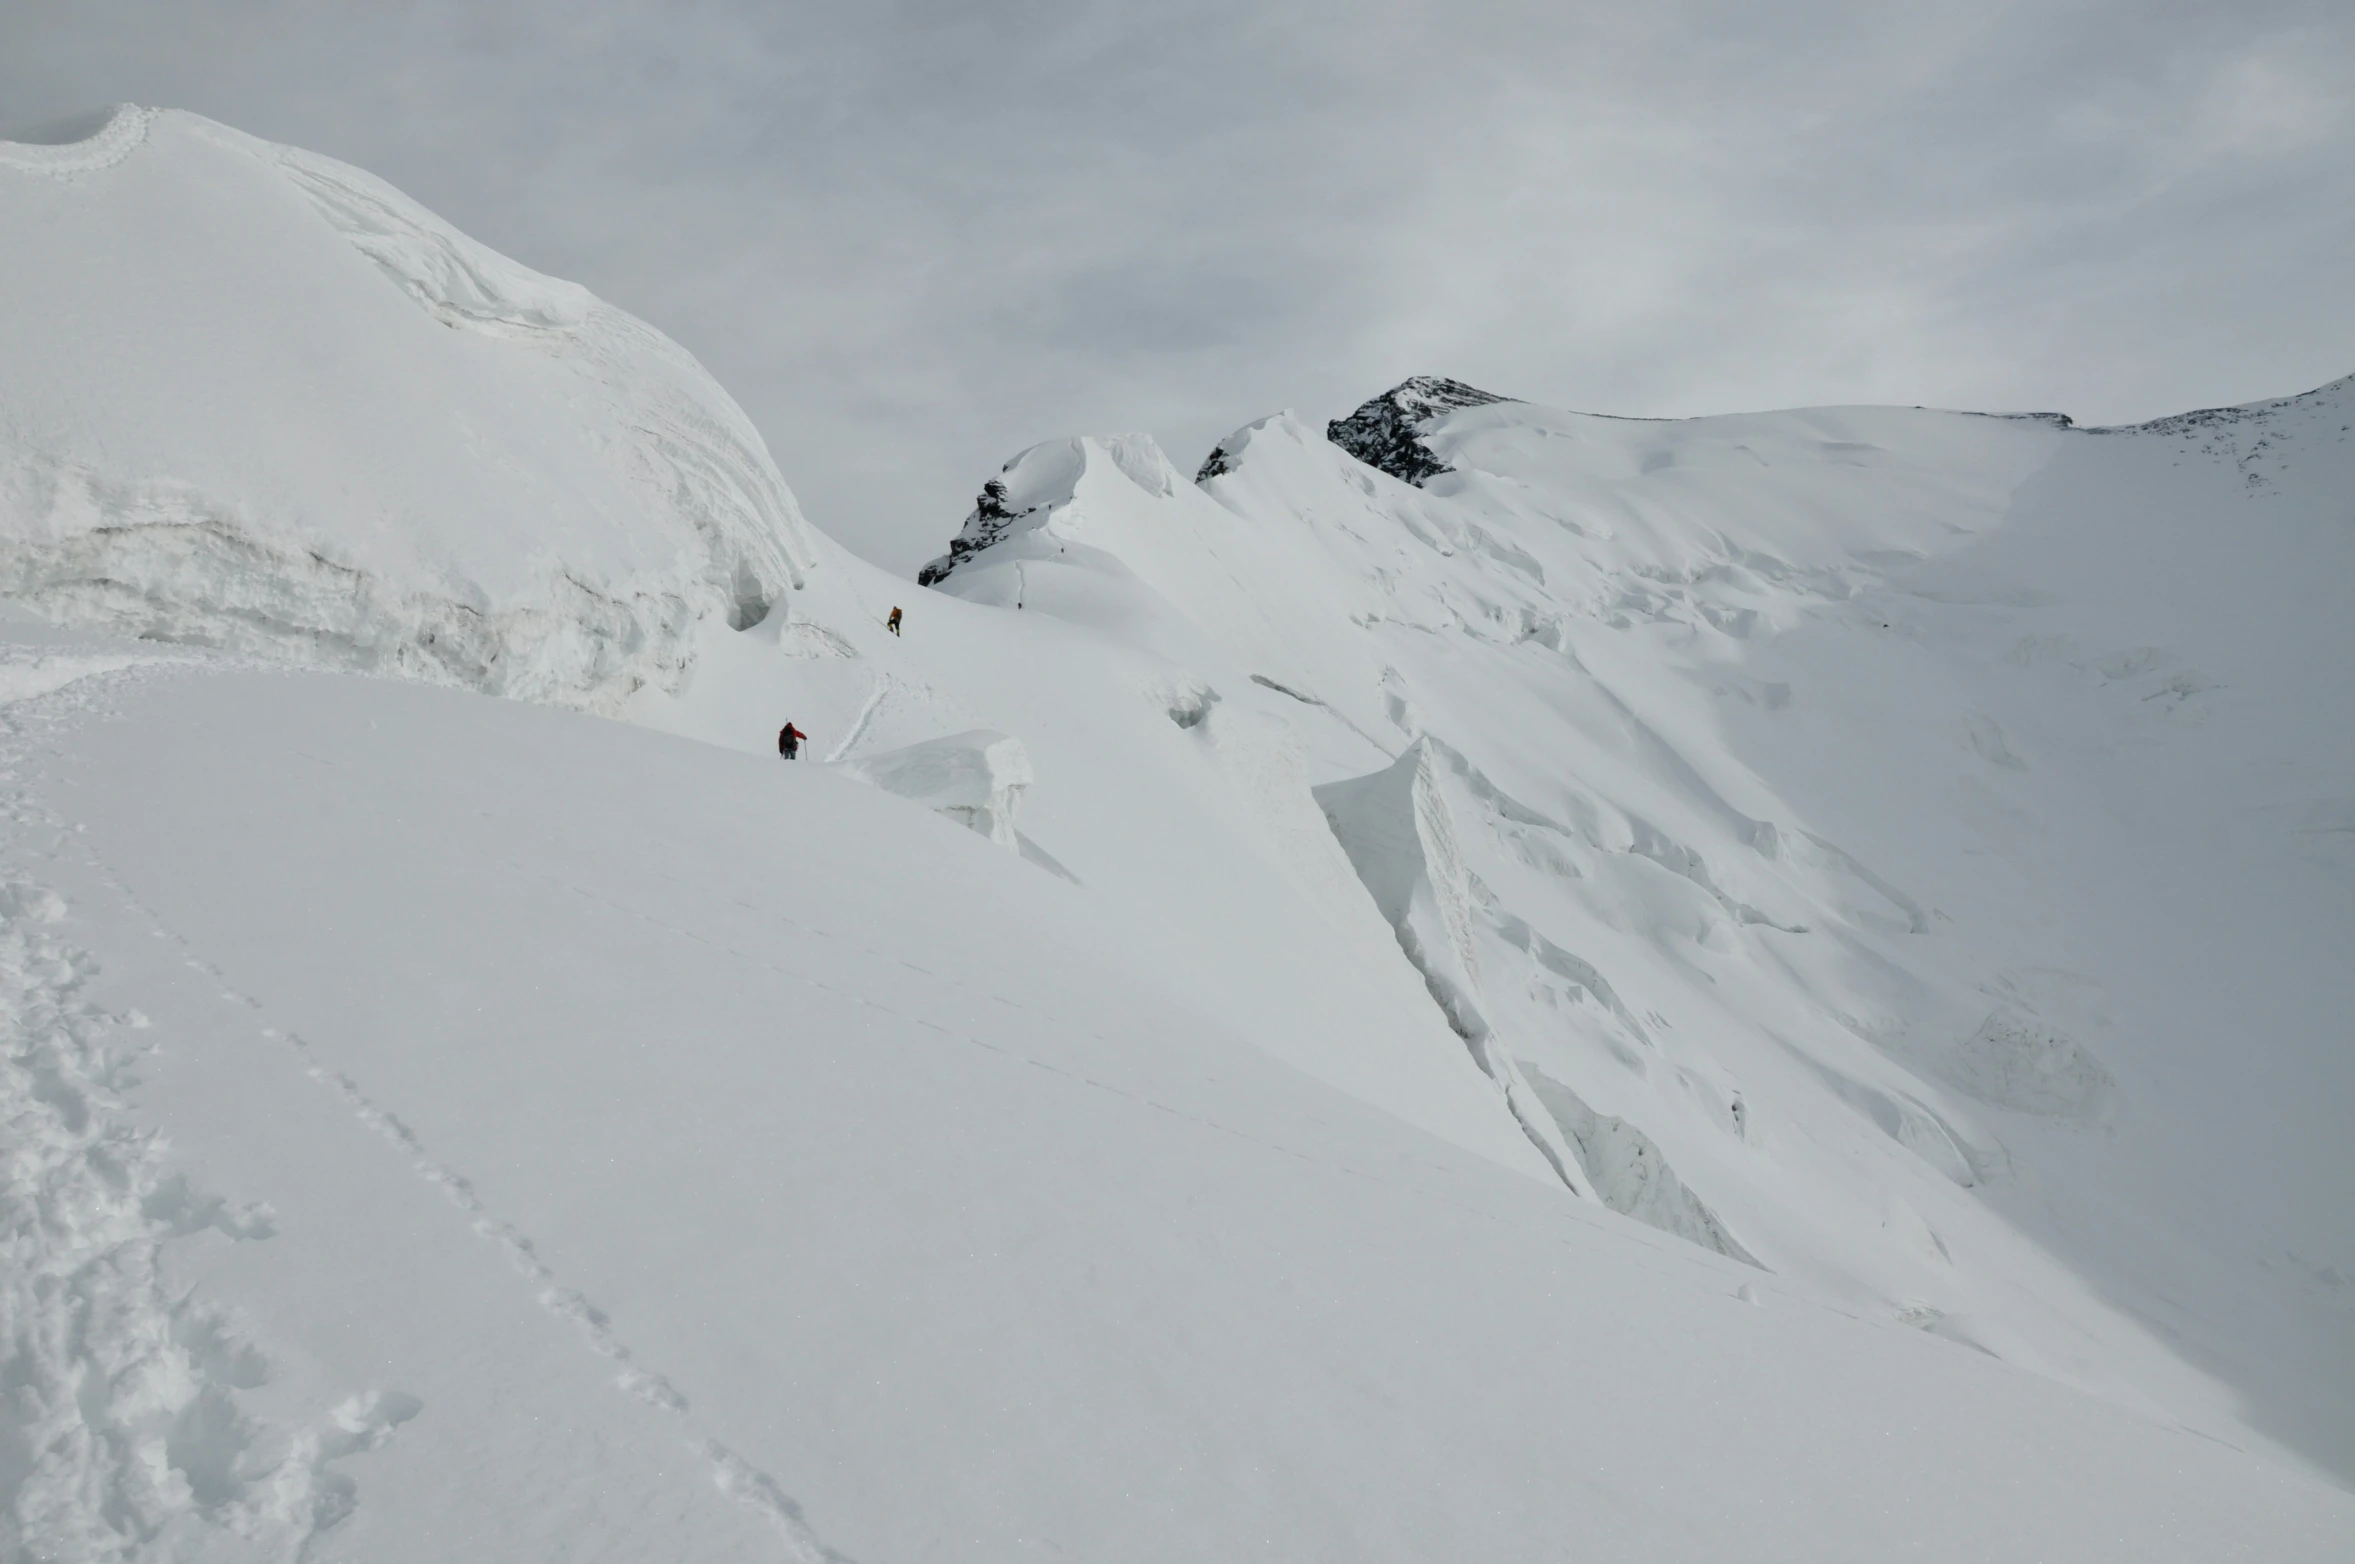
x=1764 y=986
x=944 y=1215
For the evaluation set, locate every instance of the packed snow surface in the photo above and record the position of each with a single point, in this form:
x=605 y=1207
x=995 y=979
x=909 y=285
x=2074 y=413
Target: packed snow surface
x=1477 y=981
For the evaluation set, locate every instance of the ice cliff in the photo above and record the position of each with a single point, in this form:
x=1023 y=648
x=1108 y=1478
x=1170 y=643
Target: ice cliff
x=277 y=406
x=1680 y=758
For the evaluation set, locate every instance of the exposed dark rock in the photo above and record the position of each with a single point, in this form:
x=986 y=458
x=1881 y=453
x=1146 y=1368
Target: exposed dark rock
x=1216 y=464
x=990 y=519
x=2057 y=420
x=1384 y=432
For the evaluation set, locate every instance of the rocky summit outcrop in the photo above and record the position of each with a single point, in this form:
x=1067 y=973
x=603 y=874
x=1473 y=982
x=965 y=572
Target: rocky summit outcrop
x=1385 y=432
x=992 y=516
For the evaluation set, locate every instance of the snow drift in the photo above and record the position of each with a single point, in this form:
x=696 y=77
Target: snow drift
x=976 y=778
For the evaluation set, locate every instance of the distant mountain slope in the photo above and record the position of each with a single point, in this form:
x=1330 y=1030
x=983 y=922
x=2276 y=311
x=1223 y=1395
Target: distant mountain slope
x=1743 y=766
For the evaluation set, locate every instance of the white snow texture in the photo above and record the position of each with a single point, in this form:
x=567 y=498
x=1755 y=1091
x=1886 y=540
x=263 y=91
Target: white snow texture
x=280 y=407
x=1763 y=987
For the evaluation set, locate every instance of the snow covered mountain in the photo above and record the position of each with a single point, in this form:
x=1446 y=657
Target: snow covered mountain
x=1744 y=784
x=274 y=405
x=1475 y=981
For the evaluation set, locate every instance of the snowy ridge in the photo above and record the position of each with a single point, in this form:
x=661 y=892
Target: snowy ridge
x=1038 y=492
x=117 y=134
x=1611 y=831
x=646 y=502
x=461 y=282
x=956 y=1219
x=2259 y=439
x=1535 y=943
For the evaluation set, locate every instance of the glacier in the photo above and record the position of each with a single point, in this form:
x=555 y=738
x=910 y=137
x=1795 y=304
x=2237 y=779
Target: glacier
x=282 y=408
x=1767 y=986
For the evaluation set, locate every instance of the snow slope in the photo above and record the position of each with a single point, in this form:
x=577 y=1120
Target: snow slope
x=586 y=1143
x=1756 y=987
x=272 y=404
x=1856 y=830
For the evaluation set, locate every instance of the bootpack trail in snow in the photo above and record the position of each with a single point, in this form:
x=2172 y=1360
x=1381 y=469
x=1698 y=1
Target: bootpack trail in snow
x=56 y=1063
x=62 y=691
x=129 y=1437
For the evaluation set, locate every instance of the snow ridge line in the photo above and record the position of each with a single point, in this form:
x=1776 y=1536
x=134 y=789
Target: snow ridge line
x=731 y=1473
x=123 y=133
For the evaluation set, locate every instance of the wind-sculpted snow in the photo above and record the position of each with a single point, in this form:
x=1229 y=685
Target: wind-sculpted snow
x=1401 y=838
x=1398 y=827
x=729 y=1160
x=95 y=143
x=976 y=778
x=1760 y=1004
x=165 y=562
x=1568 y=945
x=260 y=400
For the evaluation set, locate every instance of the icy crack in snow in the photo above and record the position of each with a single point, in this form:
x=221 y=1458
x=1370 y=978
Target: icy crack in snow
x=1629 y=1173
x=164 y=561
x=1397 y=829
x=250 y=556
x=859 y=724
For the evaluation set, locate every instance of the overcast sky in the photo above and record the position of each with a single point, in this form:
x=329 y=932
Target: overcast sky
x=914 y=238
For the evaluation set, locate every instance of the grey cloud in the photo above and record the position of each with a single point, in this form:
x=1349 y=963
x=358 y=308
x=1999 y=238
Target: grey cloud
x=914 y=237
